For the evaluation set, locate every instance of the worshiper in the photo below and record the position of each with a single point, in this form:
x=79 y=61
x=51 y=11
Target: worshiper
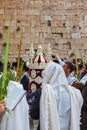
x=60 y=104
x=80 y=69
x=13 y=68
x=68 y=69
x=1 y=66
x=16 y=116
x=84 y=73
x=2 y=107
x=1 y=72
x=25 y=78
x=84 y=109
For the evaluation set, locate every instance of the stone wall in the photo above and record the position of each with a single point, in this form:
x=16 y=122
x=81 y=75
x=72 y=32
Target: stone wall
x=62 y=23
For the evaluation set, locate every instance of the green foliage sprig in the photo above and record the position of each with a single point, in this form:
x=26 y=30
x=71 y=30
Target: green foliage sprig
x=3 y=90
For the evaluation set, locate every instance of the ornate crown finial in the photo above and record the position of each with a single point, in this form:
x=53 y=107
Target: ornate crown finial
x=38 y=61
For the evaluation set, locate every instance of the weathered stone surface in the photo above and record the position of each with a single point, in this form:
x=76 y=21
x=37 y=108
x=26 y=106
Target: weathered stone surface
x=63 y=24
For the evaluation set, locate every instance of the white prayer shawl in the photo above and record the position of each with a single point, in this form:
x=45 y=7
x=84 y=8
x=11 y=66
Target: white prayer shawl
x=84 y=79
x=71 y=79
x=18 y=119
x=76 y=104
x=71 y=107
x=48 y=110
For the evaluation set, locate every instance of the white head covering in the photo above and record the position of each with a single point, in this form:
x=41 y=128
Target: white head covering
x=59 y=101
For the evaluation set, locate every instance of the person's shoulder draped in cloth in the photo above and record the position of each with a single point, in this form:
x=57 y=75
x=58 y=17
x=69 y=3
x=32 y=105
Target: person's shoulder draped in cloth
x=18 y=117
x=60 y=104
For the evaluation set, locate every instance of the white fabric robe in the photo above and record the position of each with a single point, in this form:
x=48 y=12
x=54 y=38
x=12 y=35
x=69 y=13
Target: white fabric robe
x=65 y=107
x=17 y=119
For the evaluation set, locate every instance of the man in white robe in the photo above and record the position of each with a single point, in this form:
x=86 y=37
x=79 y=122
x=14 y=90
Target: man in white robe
x=18 y=118
x=60 y=104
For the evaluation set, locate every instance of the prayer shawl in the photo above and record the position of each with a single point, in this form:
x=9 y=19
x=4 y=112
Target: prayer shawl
x=84 y=79
x=49 y=119
x=71 y=79
x=52 y=102
x=17 y=119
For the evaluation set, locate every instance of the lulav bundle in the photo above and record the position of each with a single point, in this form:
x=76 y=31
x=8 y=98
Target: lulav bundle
x=3 y=90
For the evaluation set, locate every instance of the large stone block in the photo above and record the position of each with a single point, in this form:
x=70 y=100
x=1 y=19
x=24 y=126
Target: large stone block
x=9 y=10
x=1 y=11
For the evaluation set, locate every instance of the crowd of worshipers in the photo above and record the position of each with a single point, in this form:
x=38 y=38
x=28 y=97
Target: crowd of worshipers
x=60 y=96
